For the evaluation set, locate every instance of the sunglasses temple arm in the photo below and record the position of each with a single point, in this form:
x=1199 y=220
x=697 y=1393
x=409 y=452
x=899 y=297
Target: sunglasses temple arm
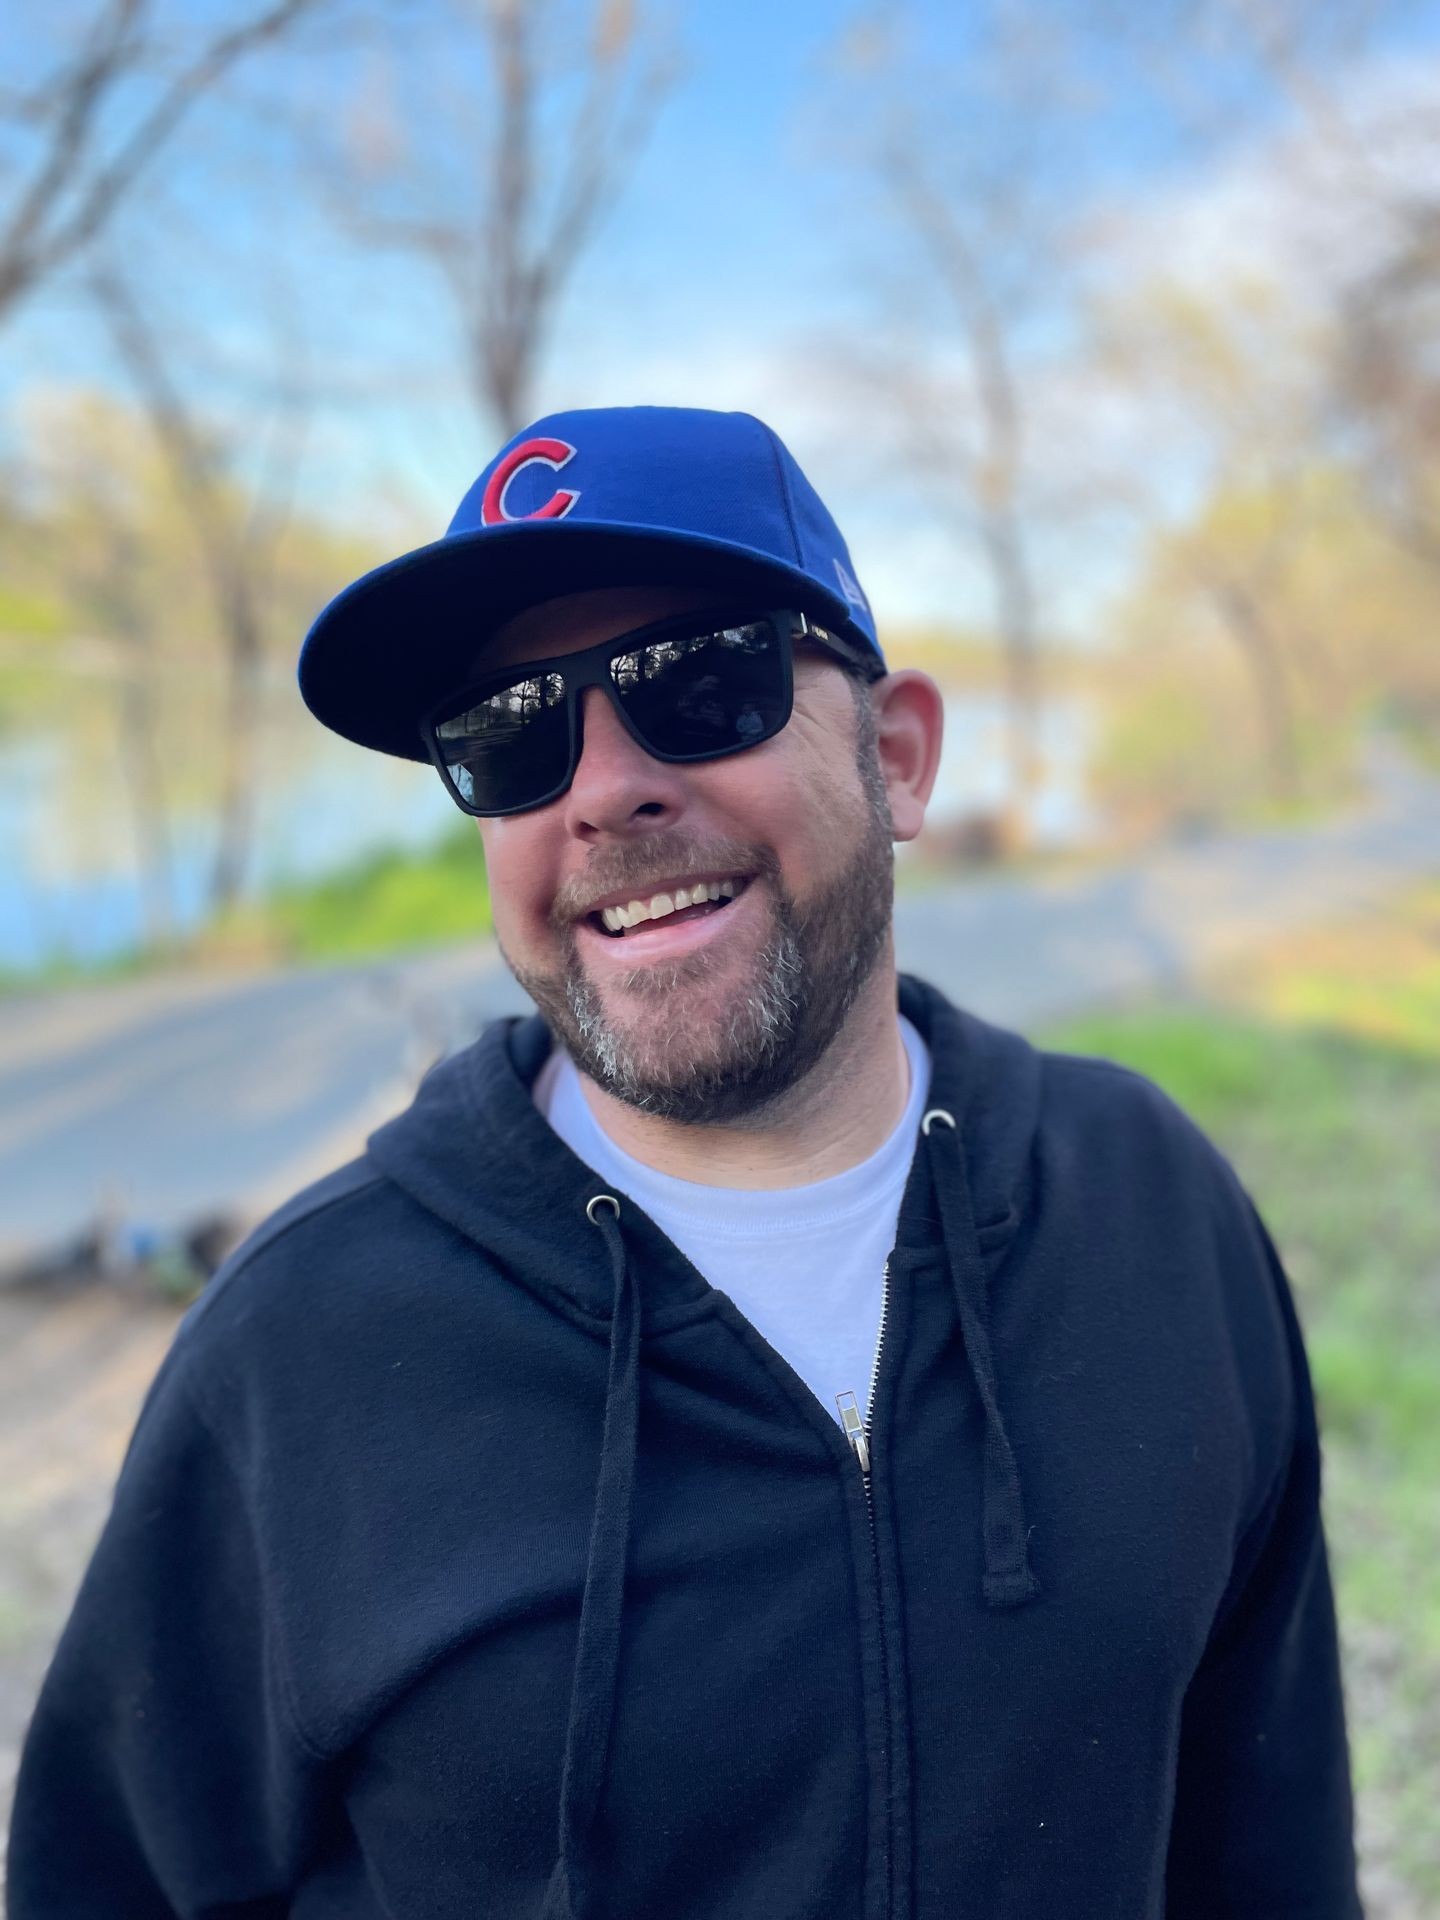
x=859 y=657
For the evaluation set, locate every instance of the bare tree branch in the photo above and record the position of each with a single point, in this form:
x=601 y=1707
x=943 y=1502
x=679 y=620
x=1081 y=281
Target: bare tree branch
x=73 y=193
x=72 y=105
x=995 y=464
x=541 y=201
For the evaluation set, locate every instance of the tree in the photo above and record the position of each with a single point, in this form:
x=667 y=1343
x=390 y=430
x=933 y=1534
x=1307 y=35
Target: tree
x=1264 y=633
x=236 y=539
x=1380 y=160
x=993 y=456
x=973 y=287
x=116 y=651
x=1357 y=159
x=570 y=103
x=71 y=146
x=1387 y=379
x=100 y=674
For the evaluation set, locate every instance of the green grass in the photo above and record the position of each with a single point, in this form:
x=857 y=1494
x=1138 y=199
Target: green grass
x=64 y=970
x=389 y=902
x=1324 y=1091
x=386 y=903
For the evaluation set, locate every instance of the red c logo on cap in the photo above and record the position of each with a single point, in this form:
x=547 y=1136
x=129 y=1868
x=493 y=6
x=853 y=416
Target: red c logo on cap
x=545 y=453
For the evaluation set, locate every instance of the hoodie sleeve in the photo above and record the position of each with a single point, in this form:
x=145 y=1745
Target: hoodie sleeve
x=1263 y=1818
x=162 y=1777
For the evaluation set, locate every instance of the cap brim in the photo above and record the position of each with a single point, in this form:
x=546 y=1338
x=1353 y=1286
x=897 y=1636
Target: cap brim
x=389 y=647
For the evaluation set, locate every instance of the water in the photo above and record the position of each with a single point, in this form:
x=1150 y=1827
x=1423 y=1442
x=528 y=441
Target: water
x=974 y=772
x=70 y=888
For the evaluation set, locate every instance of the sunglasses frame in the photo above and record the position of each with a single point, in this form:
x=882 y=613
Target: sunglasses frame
x=590 y=667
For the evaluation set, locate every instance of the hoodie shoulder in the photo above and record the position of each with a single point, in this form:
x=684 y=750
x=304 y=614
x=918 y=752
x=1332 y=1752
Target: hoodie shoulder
x=296 y=1270
x=1087 y=1091
x=1167 y=1186
x=321 y=1196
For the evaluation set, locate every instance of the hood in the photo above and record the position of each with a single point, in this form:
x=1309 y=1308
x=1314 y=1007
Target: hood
x=475 y=1151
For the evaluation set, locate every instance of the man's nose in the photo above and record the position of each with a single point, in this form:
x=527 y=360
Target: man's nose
x=618 y=787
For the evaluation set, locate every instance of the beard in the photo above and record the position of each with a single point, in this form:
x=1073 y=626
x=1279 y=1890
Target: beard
x=811 y=966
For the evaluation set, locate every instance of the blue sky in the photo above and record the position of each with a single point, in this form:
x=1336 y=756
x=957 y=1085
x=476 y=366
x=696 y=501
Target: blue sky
x=748 y=232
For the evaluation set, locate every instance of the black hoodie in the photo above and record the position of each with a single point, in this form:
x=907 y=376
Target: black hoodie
x=474 y=1558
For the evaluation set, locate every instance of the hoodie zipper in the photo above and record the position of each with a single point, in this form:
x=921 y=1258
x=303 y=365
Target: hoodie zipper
x=857 y=1431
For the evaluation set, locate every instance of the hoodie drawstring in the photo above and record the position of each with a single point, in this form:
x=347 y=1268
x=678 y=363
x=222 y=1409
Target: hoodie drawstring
x=597 y=1660
x=1008 y=1580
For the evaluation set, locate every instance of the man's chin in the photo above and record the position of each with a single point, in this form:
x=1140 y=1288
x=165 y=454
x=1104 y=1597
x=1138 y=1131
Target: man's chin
x=688 y=1039
x=720 y=1035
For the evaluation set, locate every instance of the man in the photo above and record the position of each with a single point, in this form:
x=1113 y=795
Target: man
x=753 y=1439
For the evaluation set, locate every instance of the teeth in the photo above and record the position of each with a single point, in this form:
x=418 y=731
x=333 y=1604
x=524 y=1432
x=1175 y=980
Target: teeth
x=659 y=905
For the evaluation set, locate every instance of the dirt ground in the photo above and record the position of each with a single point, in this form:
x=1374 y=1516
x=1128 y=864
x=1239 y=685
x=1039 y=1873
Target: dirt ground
x=74 y=1365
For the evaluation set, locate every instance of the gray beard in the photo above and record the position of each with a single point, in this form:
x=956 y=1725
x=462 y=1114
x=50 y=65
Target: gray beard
x=808 y=975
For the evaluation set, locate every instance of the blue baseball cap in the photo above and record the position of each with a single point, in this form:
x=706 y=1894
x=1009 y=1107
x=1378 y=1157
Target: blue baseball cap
x=597 y=497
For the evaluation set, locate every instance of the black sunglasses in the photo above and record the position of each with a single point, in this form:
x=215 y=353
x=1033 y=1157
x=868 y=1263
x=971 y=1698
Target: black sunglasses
x=689 y=688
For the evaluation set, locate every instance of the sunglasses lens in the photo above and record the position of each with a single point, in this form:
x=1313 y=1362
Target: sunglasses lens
x=709 y=693
x=687 y=698
x=510 y=748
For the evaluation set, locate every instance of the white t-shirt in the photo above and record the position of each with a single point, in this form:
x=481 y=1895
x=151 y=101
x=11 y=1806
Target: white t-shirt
x=804 y=1264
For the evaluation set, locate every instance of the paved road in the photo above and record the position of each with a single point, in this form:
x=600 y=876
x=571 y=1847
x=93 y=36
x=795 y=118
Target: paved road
x=181 y=1095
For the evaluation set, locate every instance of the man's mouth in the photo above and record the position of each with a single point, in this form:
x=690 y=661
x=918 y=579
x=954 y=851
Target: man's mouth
x=667 y=909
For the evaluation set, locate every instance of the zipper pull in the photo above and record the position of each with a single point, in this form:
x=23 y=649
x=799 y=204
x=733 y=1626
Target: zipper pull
x=854 y=1428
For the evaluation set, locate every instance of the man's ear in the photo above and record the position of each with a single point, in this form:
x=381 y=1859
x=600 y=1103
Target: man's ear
x=909 y=727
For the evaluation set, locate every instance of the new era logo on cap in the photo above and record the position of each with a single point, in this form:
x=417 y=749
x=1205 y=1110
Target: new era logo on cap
x=850 y=586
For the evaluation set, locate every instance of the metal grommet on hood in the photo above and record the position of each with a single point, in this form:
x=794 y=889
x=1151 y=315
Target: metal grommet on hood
x=937 y=1113
x=591 y=1204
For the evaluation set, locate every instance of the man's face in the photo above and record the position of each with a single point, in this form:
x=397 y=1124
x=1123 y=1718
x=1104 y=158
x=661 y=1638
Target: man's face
x=708 y=1018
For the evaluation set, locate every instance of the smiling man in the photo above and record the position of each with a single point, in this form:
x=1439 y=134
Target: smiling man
x=753 y=1440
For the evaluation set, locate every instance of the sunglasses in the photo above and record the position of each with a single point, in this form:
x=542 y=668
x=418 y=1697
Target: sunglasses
x=691 y=688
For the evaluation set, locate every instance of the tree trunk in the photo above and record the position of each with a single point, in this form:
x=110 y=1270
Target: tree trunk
x=140 y=761
x=240 y=730
x=1262 y=655
x=142 y=768
x=1015 y=618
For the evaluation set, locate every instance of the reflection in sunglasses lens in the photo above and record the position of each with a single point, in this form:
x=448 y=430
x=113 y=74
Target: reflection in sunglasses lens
x=687 y=697
x=706 y=693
